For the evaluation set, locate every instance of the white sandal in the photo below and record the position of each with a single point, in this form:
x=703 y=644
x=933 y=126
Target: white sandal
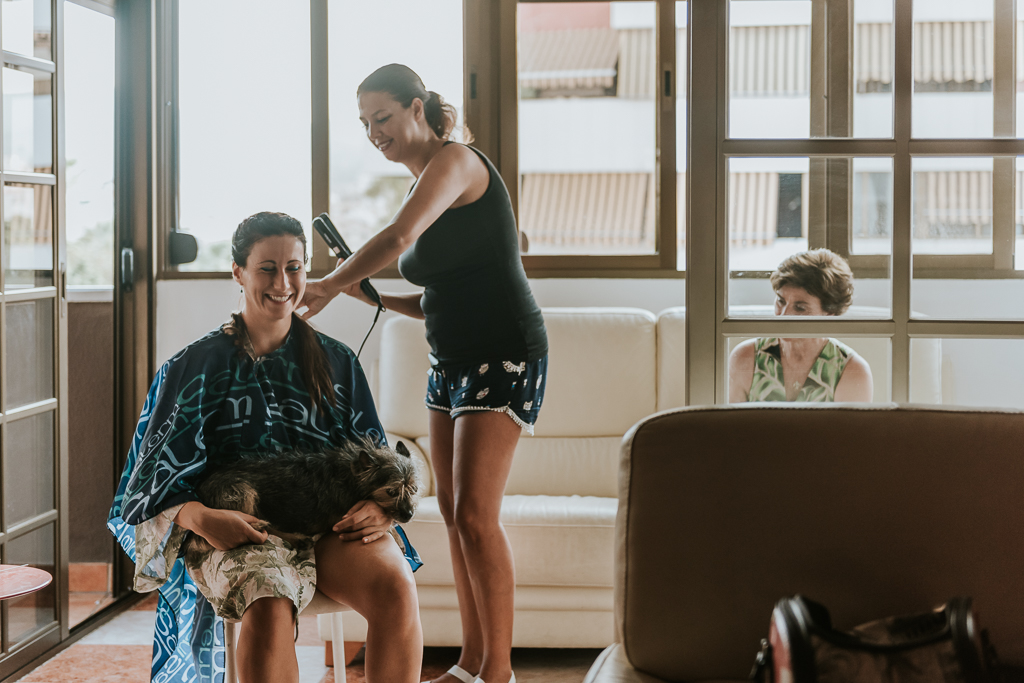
x=462 y=674
x=511 y=680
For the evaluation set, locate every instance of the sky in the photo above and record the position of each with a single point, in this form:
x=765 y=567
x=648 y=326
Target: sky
x=244 y=97
x=89 y=118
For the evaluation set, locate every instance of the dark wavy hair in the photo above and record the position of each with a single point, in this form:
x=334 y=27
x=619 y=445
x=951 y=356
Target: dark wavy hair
x=404 y=85
x=821 y=273
x=311 y=357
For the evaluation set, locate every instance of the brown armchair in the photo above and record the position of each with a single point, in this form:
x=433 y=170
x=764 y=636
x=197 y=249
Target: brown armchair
x=873 y=510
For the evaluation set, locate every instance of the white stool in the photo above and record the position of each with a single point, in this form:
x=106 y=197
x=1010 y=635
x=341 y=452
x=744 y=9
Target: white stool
x=320 y=604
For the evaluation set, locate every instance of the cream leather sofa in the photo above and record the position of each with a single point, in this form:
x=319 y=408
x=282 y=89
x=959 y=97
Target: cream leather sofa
x=608 y=369
x=888 y=510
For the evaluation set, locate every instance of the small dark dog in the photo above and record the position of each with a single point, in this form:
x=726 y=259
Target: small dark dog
x=307 y=493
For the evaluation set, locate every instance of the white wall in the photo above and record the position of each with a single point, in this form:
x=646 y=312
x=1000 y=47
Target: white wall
x=975 y=373
x=188 y=309
x=586 y=135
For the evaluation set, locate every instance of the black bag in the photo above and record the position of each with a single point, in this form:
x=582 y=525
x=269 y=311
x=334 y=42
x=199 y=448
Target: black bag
x=942 y=646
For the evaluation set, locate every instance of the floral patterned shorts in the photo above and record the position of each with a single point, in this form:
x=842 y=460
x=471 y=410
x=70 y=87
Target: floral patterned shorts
x=231 y=580
x=234 y=579
x=513 y=387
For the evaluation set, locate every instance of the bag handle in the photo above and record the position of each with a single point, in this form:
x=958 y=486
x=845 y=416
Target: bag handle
x=813 y=618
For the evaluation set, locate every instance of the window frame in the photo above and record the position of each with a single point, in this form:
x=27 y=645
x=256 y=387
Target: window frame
x=166 y=133
x=491 y=111
x=497 y=109
x=709 y=324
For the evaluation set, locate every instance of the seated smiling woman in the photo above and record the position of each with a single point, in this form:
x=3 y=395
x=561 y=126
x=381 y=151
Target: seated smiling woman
x=264 y=382
x=811 y=283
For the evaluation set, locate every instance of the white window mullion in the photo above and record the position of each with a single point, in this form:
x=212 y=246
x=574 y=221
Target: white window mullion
x=1004 y=91
x=708 y=28
x=903 y=89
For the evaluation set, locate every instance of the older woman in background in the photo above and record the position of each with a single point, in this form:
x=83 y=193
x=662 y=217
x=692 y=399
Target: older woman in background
x=811 y=283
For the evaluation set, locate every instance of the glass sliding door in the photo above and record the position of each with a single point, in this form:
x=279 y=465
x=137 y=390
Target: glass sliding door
x=89 y=219
x=31 y=315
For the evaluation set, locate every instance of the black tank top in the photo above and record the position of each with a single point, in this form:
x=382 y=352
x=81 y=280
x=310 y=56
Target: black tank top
x=476 y=299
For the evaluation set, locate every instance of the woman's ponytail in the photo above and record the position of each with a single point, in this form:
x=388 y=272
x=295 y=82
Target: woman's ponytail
x=440 y=115
x=404 y=85
x=316 y=371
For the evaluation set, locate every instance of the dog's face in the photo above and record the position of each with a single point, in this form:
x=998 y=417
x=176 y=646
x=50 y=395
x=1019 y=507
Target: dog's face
x=390 y=478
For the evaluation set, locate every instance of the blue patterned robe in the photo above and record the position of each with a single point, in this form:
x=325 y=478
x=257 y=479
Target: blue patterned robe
x=212 y=401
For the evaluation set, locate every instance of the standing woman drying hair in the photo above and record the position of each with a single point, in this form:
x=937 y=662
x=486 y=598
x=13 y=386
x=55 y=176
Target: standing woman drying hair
x=456 y=236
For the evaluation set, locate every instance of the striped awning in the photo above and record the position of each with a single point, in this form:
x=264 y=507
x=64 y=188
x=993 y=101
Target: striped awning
x=947 y=56
x=769 y=60
x=588 y=212
x=614 y=212
x=638 y=72
x=573 y=59
x=952 y=52
x=29 y=222
x=873 y=52
x=753 y=208
x=766 y=60
x=952 y=204
x=1020 y=52
x=763 y=60
x=42 y=204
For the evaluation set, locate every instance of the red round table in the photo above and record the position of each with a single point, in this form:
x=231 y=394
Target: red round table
x=16 y=581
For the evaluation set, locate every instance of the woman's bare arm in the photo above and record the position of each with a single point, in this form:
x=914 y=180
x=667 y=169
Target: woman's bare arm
x=446 y=177
x=223 y=529
x=741 y=371
x=406 y=304
x=856 y=383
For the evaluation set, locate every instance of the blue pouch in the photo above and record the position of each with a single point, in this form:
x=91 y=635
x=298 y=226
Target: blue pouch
x=410 y=553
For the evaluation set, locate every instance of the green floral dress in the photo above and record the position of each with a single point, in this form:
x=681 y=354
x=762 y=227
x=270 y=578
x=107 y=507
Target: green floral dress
x=820 y=387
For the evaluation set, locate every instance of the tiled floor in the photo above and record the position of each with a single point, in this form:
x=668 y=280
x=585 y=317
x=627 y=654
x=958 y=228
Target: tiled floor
x=120 y=652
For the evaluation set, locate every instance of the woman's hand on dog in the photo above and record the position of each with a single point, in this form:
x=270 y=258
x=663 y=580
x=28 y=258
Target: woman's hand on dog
x=223 y=529
x=366 y=521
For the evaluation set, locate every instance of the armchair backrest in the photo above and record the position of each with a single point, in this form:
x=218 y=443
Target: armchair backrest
x=873 y=510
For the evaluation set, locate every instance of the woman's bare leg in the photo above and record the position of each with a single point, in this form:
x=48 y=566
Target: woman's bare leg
x=266 y=643
x=484 y=444
x=442 y=438
x=375 y=580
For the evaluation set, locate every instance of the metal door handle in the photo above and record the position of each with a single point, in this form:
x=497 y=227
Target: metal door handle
x=127 y=268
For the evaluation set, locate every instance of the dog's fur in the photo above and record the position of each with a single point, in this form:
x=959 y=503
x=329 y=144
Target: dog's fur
x=307 y=493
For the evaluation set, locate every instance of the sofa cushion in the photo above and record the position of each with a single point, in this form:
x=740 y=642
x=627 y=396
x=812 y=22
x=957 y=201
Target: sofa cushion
x=556 y=540
x=601 y=372
x=672 y=358
x=561 y=466
x=402 y=377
